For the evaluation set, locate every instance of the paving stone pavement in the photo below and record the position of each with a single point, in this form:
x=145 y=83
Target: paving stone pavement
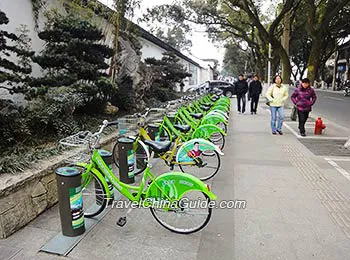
x=297 y=208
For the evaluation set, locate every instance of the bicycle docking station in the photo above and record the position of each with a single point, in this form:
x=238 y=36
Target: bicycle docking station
x=74 y=226
x=108 y=159
x=70 y=199
x=153 y=132
x=126 y=160
x=126 y=167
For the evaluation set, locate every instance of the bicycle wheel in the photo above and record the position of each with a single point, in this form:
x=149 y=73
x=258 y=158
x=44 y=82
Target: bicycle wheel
x=140 y=157
x=191 y=215
x=222 y=126
x=94 y=195
x=218 y=139
x=206 y=167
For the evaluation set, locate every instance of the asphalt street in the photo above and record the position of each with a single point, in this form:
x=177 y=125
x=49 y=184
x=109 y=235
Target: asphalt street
x=334 y=107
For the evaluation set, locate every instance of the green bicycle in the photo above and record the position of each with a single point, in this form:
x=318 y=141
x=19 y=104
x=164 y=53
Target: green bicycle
x=169 y=196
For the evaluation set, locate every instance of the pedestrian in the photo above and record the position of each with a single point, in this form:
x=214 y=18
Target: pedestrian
x=338 y=81
x=277 y=94
x=255 y=89
x=304 y=98
x=241 y=90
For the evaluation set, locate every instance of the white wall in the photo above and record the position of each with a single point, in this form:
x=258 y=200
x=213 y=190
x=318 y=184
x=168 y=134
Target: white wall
x=20 y=12
x=150 y=50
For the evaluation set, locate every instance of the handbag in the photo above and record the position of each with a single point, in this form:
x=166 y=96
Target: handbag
x=268 y=101
x=294 y=114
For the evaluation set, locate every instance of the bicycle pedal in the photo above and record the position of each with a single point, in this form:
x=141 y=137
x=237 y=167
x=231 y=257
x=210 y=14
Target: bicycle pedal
x=121 y=221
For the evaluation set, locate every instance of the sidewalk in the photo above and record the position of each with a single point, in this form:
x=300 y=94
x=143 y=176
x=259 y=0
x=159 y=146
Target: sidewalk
x=298 y=208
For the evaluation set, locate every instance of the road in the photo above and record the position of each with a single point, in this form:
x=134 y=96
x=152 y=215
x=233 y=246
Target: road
x=333 y=106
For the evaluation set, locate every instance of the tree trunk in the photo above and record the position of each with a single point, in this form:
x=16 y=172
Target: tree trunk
x=314 y=60
x=286 y=67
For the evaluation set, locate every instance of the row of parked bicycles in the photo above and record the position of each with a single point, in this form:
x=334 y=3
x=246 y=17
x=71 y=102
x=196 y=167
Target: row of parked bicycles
x=189 y=133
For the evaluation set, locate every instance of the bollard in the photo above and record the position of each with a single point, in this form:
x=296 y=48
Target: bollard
x=108 y=159
x=70 y=199
x=126 y=160
x=153 y=132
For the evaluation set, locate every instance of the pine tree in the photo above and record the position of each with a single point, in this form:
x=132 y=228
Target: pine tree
x=74 y=57
x=15 y=62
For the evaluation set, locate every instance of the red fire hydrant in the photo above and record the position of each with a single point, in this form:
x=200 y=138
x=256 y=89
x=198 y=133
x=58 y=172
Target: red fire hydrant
x=319 y=126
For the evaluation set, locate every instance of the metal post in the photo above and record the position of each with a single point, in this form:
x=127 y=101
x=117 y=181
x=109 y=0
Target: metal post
x=126 y=160
x=70 y=199
x=108 y=159
x=269 y=67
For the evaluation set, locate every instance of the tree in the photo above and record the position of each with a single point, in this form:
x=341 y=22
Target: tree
x=15 y=66
x=171 y=32
x=234 y=59
x=239 y=19
x=73 y=57
x=327 y=21
x=175 y=37
x=167 y=71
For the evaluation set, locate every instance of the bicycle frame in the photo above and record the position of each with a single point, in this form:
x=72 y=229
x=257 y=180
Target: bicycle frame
x=158 y=184
x=122 y=187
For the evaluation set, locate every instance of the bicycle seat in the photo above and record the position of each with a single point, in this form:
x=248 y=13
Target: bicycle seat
x=159 y=147
x=183 y=128
x=205 y=108
x=197 y=115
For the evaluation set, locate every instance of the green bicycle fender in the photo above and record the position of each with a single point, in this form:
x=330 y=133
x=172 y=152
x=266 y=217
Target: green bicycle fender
x=205 y=131
x=219 y=113
x=222 y=102
x=99 y=176
x=213 y=119
x=176 y=184
x=225 y=99
x=221 y=107
x=204 y=145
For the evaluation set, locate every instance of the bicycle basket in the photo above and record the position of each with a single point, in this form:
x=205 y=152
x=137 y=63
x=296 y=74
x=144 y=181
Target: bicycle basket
x=155 y=115
x=128 y=125
x=78 y=139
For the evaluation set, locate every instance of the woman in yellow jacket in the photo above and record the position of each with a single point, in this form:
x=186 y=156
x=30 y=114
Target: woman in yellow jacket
x=277 y=94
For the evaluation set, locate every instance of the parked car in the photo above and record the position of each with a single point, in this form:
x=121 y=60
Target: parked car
x=227 y=88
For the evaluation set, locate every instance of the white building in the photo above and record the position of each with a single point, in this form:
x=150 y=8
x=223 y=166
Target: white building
x=20 y=12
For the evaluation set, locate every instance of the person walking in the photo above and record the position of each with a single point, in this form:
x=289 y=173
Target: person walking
x=304 y=97
x=276 y=95
x=241 y=90
x=255 y=89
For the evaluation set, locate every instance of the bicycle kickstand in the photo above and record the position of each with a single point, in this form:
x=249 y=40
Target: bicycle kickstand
x=122 y=220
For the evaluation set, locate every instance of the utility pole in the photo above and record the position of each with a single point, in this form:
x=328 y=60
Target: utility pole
x=335 y=69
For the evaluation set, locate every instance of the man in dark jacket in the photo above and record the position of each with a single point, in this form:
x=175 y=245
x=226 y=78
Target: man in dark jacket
x=304 y=97
x=241 y=90
x=255 y=89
